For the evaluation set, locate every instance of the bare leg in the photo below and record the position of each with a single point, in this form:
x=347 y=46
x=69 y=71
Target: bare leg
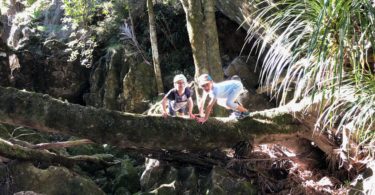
x=241 y=109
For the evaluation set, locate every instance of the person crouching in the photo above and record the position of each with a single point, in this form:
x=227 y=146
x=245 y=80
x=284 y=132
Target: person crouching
x=179 y=99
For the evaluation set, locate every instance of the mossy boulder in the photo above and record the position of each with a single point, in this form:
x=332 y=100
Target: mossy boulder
x=188 y=180
x=53 y=180
x=157 y=174
x=139 y=88
x=224 y=183
x=106 y=79
x=127 y=178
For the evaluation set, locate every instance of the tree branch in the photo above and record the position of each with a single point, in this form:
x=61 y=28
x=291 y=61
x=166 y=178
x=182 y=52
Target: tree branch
x=65 y=144
x=13 y=151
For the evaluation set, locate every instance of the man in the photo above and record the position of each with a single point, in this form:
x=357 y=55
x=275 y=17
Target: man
x=179 y=98
x=224 y=93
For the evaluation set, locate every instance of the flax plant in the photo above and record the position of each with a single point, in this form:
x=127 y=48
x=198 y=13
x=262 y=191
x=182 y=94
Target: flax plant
x=321 y=48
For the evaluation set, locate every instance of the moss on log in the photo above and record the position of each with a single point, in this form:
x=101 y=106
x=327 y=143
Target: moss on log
x=128 y=130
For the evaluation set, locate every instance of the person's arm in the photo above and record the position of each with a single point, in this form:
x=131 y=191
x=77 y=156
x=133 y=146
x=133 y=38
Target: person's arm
x=208 y=111
x=190 y=104
x=164 y=106
x=166 y=98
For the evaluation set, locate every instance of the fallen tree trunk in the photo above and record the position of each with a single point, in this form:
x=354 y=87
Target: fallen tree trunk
x=127 y=130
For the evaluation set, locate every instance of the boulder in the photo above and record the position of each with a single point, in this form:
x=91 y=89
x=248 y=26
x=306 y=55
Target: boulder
x=225 y=183
x=106 y=80
x=47 y=70
x=245 y=69
x=364 y=182
x=24 y=176
x=156 y=175
x=139 y=87
x=127 y=179
x=4 y=64
x=236 y=10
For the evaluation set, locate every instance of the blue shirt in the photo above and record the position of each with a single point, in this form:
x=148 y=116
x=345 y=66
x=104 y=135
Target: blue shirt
x=224 y=89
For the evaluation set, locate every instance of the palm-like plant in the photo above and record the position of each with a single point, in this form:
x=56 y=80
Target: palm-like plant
x=321 y=47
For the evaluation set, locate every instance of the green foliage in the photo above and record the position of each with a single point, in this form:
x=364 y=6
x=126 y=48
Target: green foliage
x=321 y=49
x=30 y=2
x=109 y=28
x=80 y=18
x=36 y=14
x=81 y=11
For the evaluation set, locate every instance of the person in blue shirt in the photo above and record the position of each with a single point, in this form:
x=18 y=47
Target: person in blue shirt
x=224 y=93
x=178 y=98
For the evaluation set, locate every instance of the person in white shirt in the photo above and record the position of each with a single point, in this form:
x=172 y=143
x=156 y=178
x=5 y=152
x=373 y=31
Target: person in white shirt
x=224 y=93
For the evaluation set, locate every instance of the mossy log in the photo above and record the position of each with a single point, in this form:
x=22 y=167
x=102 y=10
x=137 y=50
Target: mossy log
x=128 y=130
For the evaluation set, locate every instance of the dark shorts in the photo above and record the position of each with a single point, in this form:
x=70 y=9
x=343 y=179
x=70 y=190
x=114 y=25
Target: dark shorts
x=173 y=113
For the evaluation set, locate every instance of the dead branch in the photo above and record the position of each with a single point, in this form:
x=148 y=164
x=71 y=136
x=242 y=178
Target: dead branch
x=13 y=151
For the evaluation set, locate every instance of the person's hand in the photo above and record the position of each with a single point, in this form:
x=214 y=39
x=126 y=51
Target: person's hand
x=201 y=119
x=165 y=115
x=202 y=114
x=192 y=116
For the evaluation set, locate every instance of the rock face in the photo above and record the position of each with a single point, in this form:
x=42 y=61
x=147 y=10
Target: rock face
x=121 y=82
x=160 y=178
x=243 y=69
x=26 y=177
x=37 y=61
x=236 y=10
x=105 y=80
x=224 y=183
x=4 y=65
x=45 y=69
x=139 y=87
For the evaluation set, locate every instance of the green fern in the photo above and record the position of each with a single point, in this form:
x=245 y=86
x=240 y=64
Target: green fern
x=320 y=47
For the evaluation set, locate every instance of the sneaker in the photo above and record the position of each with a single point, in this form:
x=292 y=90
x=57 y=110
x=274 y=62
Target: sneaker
x=234 y=115
x=238 y=115
x=243 y=115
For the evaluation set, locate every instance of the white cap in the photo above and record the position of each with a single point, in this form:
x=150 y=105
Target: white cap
x=203 y=79
x=179 y=77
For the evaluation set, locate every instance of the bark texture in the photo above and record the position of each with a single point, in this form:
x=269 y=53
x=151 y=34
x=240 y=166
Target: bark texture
x=154 y=46
x=201 y=26
x=127 y=130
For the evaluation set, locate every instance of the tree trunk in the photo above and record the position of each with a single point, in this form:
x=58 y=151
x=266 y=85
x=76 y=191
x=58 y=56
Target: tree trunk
x=201 y=26
x=127 y=130
x=154 y=46
x=213 y=51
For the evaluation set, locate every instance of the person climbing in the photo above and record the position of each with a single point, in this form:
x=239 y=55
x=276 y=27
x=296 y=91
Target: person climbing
x=179 y=99
x=223 y=93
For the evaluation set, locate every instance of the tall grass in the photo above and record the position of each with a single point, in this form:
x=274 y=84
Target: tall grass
x=325 y=48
